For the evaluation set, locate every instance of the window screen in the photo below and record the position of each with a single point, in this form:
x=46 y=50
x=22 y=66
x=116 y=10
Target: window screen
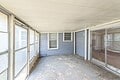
x=20 y=52
x=32 y=44
x=67 y=36
x=53 y=40
x=3 y=46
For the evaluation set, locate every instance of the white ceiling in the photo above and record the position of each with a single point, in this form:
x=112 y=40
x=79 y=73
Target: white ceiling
x=63 y=15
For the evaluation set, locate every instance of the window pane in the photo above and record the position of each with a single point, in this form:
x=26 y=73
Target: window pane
x=20 y=37
x=3 y=22
x=36 y=37
x=31 y=36
x=32 y=52
x=3 y=62
x=98 y=45
x=53 y=40
x=37 y=47
x=3 y=76
x=20 y=60
x=22 y=75
x=67 y=36
x=52 y=36
x=113 y=47
x=53 y=44
x=3 y=42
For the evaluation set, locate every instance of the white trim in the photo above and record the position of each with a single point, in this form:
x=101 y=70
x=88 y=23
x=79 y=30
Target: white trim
x=57 y=31
x=28 y=51
x=81 y=30
x=85 y=56
x=11 y=48
x=105 y=25
x=74 y=43
x=89 y=45
x=57 y=42
x=67 y=40
x=98 y=62
x=108 y=67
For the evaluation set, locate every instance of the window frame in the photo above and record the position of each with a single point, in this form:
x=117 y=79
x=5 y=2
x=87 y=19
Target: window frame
x=37 y=43
x=21 y=25
x=49 y=41
x=6 y=51
x=32 y=44
x=67 y=40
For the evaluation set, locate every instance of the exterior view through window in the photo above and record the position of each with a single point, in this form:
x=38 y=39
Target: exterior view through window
x=106 y=47
x=20 y=53
x=37 y=43
x=32 y=44
x=3 y=46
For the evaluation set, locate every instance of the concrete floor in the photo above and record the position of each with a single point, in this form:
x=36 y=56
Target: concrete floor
x=69 y=67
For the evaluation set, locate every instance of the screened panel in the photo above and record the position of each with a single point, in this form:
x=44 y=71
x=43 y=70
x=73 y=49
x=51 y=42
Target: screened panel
x=3 y=46
x=20 y=60
x=3 y=22
x=22 y=75
x=3 y=75
x=3 y=62
x=37 y=47
x=113 y=47
x=32 y=51
x=37 y=37
x=3 y=42
x=32 y=38
x=20 y=37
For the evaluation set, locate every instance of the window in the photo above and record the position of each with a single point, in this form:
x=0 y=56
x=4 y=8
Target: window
x=67 y=37
x=37 y=42
x=3 y=46
x=20 y=52
x=53 y=41
x=32 y=44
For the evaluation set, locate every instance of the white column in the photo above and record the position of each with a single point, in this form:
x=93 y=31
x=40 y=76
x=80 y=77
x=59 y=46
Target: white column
x=28 y=51
x=85 y=44
x=11 y=49
x=74 y=43
x=89 y=45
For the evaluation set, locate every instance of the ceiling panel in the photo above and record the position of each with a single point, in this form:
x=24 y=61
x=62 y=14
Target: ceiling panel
x=63 y=15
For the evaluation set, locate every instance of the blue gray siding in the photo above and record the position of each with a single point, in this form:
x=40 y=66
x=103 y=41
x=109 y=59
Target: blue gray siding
x=63 y=47
x=80 y=43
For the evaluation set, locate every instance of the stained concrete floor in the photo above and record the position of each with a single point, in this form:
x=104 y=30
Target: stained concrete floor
x=69 y=67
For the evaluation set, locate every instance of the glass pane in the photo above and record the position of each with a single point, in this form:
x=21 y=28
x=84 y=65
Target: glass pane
x=3 y=42
x=3 y=76
x=31 y=37
x=53 y=44
x=3 y=22
x=98 y=45
x=3 y=62
x=113 y=47
x=53 y=36
x=37 y=48
x=67 y=36
x=22 y=75
x=20 y=60
x=37 y=37
x=32 y=52
x=20 y=37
